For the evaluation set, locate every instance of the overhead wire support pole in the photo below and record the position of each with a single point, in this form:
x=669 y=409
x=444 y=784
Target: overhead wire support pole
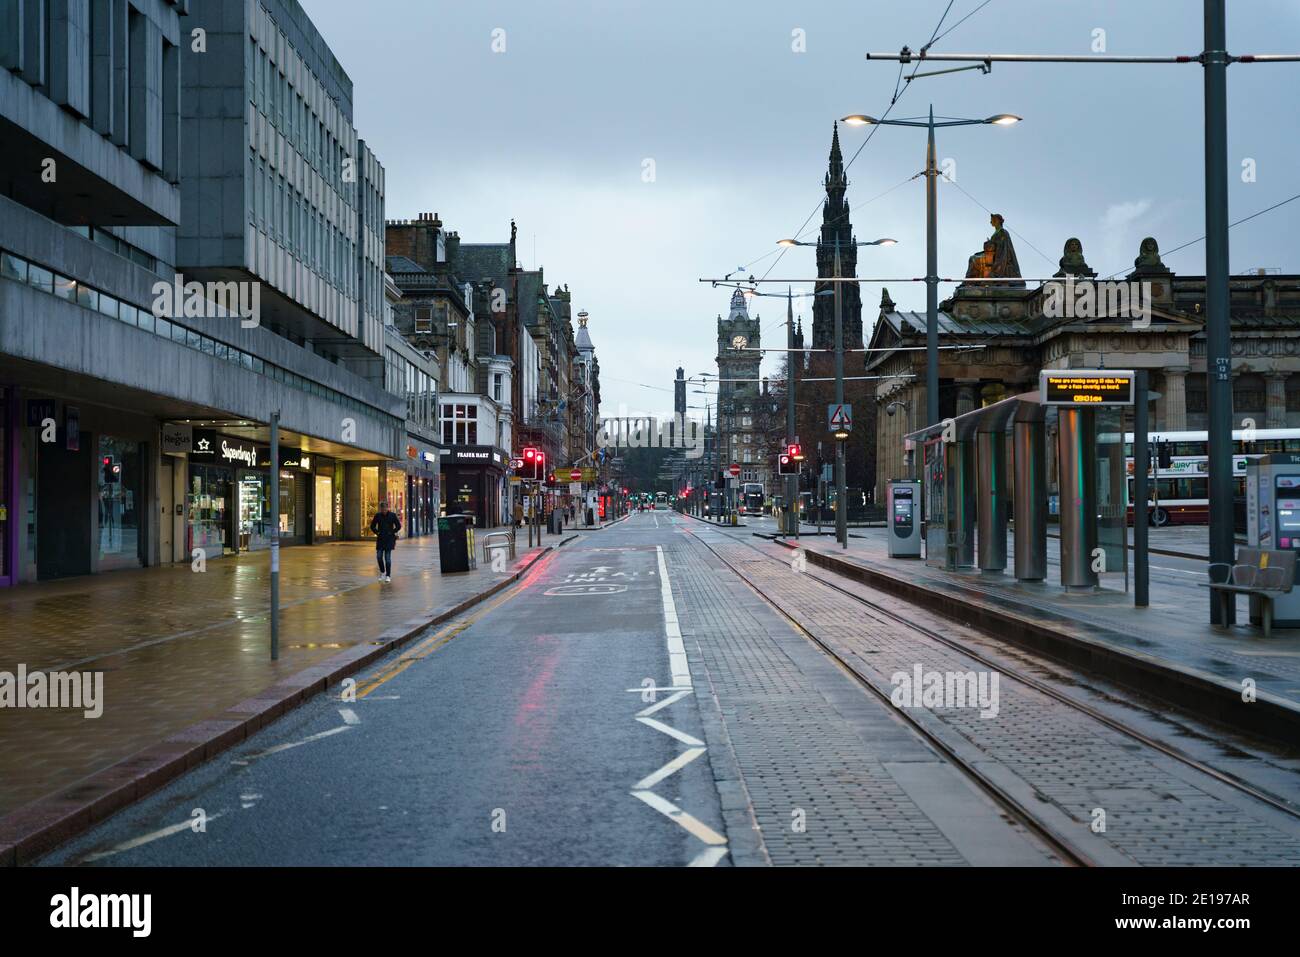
x=1215 y=60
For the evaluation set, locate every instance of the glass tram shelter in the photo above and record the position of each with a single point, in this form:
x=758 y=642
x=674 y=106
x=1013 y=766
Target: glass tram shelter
x=990 y=466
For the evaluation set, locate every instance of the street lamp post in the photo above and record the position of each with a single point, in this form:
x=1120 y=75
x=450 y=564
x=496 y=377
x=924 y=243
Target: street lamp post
x=841 y=495
x=841 y=513
x=791 y=481
x=931 y=239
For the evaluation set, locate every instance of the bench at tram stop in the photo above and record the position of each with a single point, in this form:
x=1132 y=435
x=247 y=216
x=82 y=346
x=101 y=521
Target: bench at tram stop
x=1258 y=572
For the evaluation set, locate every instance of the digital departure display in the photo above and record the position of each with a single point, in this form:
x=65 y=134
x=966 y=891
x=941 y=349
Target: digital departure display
x=1086 y=387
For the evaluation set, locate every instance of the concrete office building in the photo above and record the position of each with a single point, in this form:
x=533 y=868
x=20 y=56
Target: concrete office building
x=134 y=408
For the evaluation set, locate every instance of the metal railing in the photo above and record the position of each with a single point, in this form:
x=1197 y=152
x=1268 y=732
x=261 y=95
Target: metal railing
x=498 y=540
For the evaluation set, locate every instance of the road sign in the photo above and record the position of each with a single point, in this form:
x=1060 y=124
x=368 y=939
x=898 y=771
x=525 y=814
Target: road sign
x=575 y=475
x=588 y=474
x=839 y=417
x=734 y=470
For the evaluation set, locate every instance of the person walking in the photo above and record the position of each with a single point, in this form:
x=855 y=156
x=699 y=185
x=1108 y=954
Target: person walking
x=385 y=525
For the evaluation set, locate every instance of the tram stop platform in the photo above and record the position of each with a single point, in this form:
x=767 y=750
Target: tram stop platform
x=1168 y=649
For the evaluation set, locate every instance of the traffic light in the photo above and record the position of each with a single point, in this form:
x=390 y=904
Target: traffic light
x=786 y=465
x=795 y=451
x=534 y=464
x=112 y=471
x=1164 y=455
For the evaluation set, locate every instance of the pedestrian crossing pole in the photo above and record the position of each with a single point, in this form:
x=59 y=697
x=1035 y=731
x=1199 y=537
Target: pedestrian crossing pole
x=275 y=536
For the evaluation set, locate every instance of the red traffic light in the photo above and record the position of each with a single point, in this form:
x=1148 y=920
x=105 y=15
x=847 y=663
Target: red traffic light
x=795 y=452
x=530 y=454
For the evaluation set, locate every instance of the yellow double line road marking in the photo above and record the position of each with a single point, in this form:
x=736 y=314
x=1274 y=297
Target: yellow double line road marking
x=431 y=644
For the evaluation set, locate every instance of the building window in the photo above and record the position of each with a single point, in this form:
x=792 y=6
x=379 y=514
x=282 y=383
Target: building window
x=496 y=386
x=460 y=425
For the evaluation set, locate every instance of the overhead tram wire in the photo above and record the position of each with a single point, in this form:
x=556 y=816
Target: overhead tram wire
x=953 y=182
x=898 y=93
x=935 y=40
x=1244 y=219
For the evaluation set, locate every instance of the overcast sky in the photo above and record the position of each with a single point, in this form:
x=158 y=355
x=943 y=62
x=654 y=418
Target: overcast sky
x=555 y=133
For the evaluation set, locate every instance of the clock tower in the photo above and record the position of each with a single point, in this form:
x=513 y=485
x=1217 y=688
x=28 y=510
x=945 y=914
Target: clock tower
x=738 y=335
x=742 y=399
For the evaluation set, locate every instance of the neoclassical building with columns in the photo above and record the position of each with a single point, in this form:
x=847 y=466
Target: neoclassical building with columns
x=995 y=338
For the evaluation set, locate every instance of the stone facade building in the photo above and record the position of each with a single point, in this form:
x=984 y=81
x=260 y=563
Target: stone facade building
x=998 y=337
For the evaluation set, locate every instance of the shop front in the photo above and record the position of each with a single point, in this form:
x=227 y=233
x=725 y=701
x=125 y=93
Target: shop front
x=299 y=492
x=370 y=484
x=8 y=485
x=470 y=482
x=422 y=498
x=228 y=496
x=327 y=500
x=225 y=496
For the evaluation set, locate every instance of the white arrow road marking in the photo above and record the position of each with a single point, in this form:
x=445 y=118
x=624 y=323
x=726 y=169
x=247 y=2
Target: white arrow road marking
x=349 y=716
x=147 y=838
x=293 y=744
x=671 y=811
x=672 y=767
x=677 y=696
x=681 y=736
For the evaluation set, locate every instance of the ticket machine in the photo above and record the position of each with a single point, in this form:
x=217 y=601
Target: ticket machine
x=1273 y=521
x=903 y=504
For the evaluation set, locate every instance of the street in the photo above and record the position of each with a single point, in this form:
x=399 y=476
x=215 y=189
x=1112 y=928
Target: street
x=565 y=723
x=462 y=463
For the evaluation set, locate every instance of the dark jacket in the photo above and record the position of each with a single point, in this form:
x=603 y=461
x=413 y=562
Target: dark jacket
x=386 y=525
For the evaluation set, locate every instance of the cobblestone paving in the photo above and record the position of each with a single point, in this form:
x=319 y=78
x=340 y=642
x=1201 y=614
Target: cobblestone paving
x=1165 y=629
x=1157 y=812
x=796 y=752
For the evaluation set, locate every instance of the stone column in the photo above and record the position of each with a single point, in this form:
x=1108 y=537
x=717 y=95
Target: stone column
x=965 y=398
x=1175 y=399
x=1275 y=405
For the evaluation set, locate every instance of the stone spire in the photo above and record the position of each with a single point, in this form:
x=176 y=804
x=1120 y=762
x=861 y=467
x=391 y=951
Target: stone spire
x=836 y=229
x=835 y=170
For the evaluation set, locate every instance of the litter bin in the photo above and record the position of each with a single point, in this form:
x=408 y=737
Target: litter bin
x=455 y=545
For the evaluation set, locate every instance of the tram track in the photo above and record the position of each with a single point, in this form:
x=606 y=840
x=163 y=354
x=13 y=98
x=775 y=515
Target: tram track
x=1061 y=844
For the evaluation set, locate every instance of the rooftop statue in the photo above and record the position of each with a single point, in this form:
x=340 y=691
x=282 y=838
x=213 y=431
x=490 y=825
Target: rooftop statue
x=998 y=258
x=1073 y=263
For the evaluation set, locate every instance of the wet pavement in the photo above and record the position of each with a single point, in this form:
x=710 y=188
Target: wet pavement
x=178 y=646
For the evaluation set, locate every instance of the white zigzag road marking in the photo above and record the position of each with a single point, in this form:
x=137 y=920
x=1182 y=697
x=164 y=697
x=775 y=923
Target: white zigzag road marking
x=671 y=811
x=681 y=736
x=663 y=704
x=671 y=768
x=708 y=857
x=681 y=687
